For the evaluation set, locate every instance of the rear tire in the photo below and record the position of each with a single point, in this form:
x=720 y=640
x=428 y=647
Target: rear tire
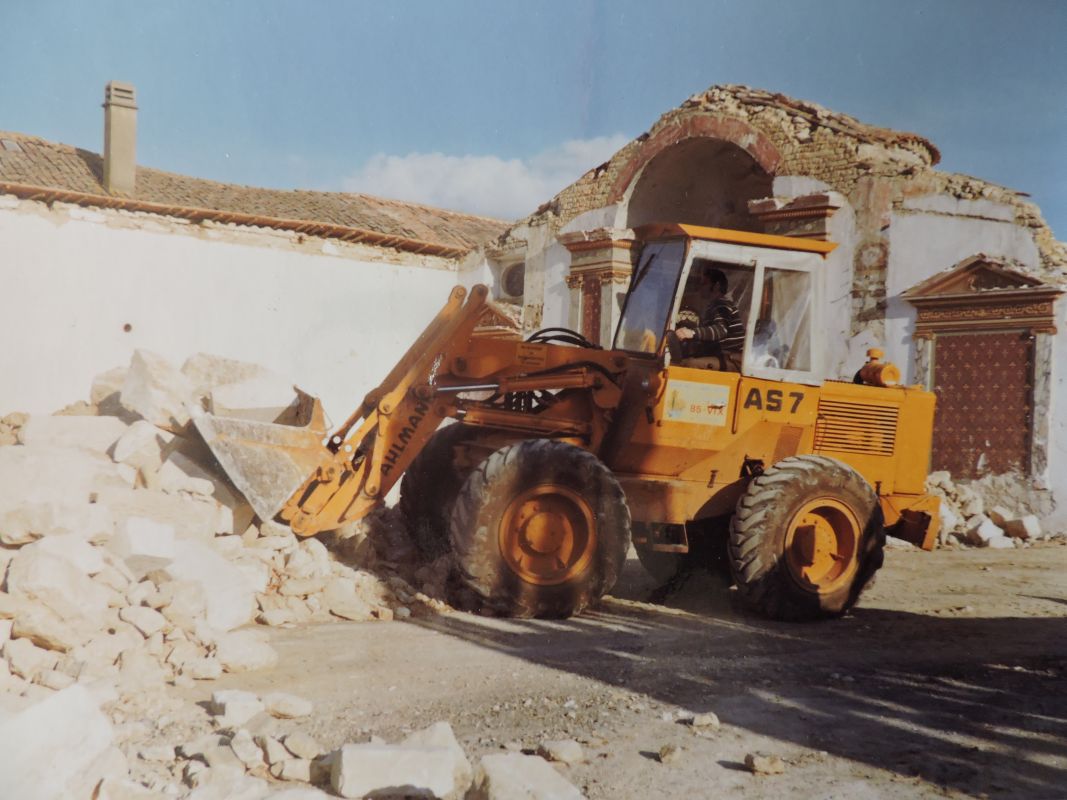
x=806 y=540
x=540 y=529
x=428 y=490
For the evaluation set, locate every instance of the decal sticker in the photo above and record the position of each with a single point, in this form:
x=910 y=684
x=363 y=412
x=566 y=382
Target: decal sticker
x=700 y=403
x=532 y=355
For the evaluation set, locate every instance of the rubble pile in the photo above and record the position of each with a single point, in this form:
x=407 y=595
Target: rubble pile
x=996 y=511
x=131 y=570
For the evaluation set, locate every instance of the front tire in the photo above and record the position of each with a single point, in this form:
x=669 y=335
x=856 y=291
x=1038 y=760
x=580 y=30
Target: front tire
x=540 y=529
x=807 y=538
x=428 y=490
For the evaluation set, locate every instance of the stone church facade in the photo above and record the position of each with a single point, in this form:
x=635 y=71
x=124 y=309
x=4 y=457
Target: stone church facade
x=956 y=278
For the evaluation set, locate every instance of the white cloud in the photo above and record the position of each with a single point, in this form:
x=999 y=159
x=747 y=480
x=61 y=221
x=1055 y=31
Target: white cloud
x=488 y=185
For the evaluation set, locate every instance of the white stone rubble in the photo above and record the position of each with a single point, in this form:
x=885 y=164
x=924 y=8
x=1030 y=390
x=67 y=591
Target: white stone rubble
x=997 y=511
x=130 y=566
x=511 y=775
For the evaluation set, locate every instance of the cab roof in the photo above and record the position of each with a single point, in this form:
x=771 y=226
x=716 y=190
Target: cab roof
x=671 y=230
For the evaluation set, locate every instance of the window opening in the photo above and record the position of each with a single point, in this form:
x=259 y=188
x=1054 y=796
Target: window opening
x=782 y=335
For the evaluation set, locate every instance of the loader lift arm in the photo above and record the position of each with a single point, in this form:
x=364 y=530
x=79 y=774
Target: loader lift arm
x=316 y=483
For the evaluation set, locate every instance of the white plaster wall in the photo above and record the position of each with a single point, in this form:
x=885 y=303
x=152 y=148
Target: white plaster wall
x=1056 y=477
x=72 y=278
x=923 y=243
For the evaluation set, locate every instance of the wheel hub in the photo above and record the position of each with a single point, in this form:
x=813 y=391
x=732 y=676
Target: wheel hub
x=547 y=535
x=822 y=544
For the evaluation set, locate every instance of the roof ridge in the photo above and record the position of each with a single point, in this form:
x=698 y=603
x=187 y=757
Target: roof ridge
x=168 y=173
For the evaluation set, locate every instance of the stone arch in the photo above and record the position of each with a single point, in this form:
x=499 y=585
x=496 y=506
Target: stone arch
x=700 y=170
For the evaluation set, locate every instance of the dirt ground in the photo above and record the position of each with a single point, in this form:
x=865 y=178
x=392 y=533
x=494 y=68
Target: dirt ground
x=949 y=680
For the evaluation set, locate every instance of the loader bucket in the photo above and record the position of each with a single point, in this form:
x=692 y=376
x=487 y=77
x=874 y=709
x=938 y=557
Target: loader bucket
x=267 y=462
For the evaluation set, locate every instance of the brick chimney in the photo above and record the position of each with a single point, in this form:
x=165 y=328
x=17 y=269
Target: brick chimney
x=120 y=138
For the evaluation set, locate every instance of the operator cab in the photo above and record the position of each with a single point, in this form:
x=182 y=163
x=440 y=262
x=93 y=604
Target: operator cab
x=770 y=279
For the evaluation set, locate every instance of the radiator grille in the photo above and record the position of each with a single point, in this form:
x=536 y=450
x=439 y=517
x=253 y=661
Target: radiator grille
x=846 y=427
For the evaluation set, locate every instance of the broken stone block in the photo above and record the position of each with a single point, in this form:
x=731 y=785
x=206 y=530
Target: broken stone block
x=46 y=629
x=1026 y=528
x=292 y=769
x=301 y=587
x=202 y=669
x=287 y=706
x=670 y=754
x=1002 y=543
x=140 y=671
x=45 y=474
x=31 y=521
x=230 y=599
x=949 y=520
x=113 y=578
x=107 y=385
x=56 y=748
x=195 y=518
x=59 y=586
x=156 y=391
x=206 y=371
x=172 y=480
x=142 y=446
x=276 y=617
x=510 y=775
x=92 y=433
x=227 y=782
x=341 y=599
x=302 y=746
x=300 y=793
x=75 y=550
x=125 y=789
x=143 y=544
x=234 y=707
x=147 y=620
x=55 y=680
x=762 y=764
x=183 y=603
x=981 y=531
x=246 y=750
x=255 y=571
x=27 y=660
x=264 y=398
x=360 y=770
x=708 y=719
x=273 y=750
x=440 y=734
x=565 y=751
x=1000 y=515
x=244 y=651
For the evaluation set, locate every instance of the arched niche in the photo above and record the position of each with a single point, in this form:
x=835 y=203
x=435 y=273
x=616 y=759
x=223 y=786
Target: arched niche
x=701 y=181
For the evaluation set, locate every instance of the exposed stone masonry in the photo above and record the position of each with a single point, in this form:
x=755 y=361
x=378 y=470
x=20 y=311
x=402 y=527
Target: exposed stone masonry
x=876 y=169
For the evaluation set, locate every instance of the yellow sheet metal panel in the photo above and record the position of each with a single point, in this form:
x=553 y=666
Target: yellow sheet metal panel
x=917 y=424
x=667 y=230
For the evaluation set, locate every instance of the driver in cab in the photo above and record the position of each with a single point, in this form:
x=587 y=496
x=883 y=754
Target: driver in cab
x=715 y=338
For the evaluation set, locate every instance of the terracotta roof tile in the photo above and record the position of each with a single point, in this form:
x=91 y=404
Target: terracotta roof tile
x=34 y=161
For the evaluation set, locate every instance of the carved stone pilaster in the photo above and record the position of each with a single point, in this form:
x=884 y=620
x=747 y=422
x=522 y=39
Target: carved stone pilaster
x=1040 y=430
x=601 y=263
x=924 y=351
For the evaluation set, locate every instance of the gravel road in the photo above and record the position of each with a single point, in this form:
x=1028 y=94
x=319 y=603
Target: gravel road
x=948 y=681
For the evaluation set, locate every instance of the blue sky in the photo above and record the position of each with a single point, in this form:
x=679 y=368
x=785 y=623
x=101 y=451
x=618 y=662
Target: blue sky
x=494 y=106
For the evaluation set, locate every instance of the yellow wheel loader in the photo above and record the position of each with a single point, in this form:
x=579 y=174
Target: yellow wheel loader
x=562 y=452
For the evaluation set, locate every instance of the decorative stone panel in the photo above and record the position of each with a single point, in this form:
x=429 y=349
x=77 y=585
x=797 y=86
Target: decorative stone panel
x=986 y=296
